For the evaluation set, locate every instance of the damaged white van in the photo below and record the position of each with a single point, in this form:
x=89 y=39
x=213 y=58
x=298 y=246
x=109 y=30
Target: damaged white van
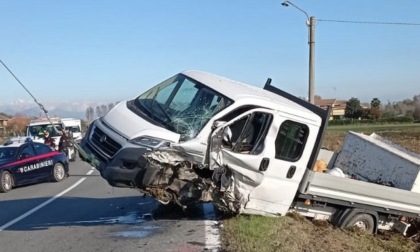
x=172 y=135
x=201 y=137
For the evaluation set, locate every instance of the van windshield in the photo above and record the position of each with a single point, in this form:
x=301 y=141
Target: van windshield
x=182 y=105
x=38 y=130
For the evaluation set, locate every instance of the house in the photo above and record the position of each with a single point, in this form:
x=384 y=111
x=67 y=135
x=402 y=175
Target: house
x=3 y=124
x=338 y=107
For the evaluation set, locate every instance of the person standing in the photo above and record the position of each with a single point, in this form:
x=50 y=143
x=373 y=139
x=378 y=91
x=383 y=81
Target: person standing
x=63 y=144
x=48 y=140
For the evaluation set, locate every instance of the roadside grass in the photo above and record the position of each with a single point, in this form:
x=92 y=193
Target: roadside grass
x=296 y=233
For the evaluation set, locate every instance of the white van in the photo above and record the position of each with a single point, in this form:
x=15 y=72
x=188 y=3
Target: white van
x=202 y=137
x=74 y=126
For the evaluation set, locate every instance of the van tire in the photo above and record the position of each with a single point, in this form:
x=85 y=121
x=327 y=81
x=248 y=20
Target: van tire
x=363 y=221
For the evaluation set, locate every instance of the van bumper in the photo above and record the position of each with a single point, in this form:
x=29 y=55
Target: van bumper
x=124 y=169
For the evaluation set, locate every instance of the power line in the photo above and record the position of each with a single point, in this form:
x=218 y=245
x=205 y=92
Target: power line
x=367 y=22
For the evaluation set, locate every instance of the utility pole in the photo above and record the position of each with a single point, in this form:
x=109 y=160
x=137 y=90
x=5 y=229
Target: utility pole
x=311 y=42
x=310 y=22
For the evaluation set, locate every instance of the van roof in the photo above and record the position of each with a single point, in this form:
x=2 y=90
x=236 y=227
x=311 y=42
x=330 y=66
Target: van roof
x=237 y=91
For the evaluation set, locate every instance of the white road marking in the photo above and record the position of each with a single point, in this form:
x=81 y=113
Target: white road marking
x=33 y=210
x=211 y=229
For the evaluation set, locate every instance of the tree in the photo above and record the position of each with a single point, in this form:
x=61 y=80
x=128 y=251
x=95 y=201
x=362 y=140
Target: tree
x=17 y=125
x=98 y=111
x=375 y=110
x=104 y=110
x=353 y=108
x=389 y=110
x=416 y=114
x=89 y=114
x=110 y=106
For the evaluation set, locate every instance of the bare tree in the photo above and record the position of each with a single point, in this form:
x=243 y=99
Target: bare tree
x=18 y=124
x=416 y=114
x=104 y=109
x=110 y=106
x=89 y=114
x=98 y=111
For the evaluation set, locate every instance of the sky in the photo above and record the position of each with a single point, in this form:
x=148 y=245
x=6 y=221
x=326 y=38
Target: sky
x=108 y=51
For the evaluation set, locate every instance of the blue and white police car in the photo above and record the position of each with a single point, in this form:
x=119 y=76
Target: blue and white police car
x=27 y=162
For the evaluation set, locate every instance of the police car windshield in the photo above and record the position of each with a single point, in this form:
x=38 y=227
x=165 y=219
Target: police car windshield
x=7 y=152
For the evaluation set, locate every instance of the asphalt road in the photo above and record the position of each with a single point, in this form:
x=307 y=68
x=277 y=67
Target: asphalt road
x=84 y=213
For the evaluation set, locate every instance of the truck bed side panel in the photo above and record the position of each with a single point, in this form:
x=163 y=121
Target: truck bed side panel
x=356 y=191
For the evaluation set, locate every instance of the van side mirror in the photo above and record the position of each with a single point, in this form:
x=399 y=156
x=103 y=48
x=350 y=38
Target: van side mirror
x=217 y=124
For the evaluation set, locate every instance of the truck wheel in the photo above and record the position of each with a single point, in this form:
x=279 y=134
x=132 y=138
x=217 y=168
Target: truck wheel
x=59 y=173
x=363 y=221
x=6 y=181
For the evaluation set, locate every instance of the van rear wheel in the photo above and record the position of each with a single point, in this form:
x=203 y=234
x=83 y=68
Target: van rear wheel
x=362 y=221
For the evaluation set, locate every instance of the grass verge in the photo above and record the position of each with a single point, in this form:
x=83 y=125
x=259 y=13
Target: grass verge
x=295 y=233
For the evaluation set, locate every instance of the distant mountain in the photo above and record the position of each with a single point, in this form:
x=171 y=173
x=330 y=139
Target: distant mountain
x=29 y=108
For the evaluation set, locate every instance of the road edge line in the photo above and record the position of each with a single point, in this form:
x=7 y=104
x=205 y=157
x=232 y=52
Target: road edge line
x=211 y=228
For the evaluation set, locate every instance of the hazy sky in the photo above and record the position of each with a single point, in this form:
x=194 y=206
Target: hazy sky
x=108 y=50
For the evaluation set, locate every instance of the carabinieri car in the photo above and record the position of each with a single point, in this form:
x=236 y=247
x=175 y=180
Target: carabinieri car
x=29 y=162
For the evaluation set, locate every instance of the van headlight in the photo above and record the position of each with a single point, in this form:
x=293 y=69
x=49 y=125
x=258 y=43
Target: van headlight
x=149 y=141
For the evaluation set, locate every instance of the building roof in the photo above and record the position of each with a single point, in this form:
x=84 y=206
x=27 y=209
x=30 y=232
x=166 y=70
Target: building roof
x=334 y=103
x=325 y=102
x=4 y=118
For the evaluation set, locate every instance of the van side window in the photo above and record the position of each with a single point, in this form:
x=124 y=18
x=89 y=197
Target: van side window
x=290 y=141
x=249 y=132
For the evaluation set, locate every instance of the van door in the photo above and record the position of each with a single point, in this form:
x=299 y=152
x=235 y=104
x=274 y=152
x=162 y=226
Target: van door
x=265 y=150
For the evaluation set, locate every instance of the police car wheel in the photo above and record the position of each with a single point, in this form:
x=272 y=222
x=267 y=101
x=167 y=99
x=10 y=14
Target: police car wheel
x=6 y=181
x=59 y=172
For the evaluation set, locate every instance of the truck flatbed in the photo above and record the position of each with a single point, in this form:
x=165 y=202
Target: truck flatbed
x=352 y=192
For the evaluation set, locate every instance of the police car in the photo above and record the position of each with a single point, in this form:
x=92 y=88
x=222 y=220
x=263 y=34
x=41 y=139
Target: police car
x=27 y=162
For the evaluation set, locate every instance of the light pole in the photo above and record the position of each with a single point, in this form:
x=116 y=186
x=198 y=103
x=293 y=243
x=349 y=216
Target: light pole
x=310 y=22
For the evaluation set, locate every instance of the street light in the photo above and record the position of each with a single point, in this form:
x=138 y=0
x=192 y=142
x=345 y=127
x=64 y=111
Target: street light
x=310 y=22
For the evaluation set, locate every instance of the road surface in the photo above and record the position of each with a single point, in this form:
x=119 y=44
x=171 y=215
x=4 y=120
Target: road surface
x=84 y=213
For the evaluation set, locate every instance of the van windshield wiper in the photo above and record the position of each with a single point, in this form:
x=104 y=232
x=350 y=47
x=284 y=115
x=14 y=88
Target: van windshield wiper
x=169 y=122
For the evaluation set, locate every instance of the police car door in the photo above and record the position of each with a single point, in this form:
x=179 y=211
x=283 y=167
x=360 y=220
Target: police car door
x=27 y=167
x=45 y=162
